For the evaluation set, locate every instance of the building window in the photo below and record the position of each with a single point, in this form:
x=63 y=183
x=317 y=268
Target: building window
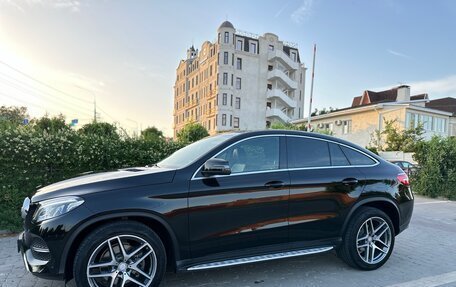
x=224 y=120
x=294 y=56
x=238 y=83
x=224 y=99
x=231 y=120
x=231 y=99
x=239 y=45
x=238 y=103
x=236 y=122
x=271 y=47
x=225 y=58
x=239 y=63
x=253 y=47
x=225 y=78
x=346 y=127
x=227 y=37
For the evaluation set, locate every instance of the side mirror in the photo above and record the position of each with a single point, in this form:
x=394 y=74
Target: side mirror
x=216 y=166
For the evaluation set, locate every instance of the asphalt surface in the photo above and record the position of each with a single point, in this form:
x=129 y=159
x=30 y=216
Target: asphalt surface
x=424 y=256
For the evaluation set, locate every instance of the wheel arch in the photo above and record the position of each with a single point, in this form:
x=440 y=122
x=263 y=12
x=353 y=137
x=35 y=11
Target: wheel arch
x=155 y=222
x=384 y=204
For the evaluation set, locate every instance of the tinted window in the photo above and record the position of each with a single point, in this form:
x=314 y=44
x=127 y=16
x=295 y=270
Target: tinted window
x=304 y=152
x=337 y=156
x=357 y=158
x=257 y=154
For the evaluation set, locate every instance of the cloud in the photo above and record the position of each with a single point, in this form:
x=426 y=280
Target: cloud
x=443 y=87
x=398 y=54
x=303 y=11
x=280 y=11
x=22 y=5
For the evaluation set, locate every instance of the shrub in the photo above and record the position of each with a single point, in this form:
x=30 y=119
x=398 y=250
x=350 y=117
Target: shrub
x=437 y=172
x=31 y=156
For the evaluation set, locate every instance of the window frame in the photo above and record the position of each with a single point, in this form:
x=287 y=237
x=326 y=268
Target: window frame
x=283 y=166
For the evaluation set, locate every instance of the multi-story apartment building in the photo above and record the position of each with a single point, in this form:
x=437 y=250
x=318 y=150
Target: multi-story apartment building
x=241 y=81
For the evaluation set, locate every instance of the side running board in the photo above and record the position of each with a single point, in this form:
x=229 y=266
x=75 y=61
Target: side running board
x=260 y=258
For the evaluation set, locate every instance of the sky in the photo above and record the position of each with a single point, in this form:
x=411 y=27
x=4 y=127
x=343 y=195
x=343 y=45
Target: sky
x=60 y=56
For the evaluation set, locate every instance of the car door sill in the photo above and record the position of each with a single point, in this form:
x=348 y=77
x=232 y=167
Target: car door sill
x=259 y=258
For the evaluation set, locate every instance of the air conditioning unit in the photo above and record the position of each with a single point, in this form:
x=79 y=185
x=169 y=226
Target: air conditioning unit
x=320 y=125
x=338 y=122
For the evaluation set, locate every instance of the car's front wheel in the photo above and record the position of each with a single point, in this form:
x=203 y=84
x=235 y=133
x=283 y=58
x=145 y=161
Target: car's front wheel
x=368 y=240
x=120 y=254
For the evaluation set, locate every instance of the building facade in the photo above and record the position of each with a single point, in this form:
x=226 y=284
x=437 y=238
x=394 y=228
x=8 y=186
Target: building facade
x=241 y=81
x=369 y=111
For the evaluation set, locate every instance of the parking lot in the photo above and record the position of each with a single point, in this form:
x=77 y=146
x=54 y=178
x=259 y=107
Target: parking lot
x=424 y=255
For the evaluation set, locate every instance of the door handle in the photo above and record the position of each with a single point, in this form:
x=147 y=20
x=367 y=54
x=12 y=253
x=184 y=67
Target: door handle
x=350 y=181
x=274 y=184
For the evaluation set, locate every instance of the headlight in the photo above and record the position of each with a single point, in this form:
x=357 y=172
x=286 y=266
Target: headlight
x=55 y=207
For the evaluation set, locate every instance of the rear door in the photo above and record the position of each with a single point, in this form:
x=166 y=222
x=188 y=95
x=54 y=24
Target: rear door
x=323 y=184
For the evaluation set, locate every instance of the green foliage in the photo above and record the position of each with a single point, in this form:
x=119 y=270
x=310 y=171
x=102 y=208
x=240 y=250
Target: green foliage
x=437 y=173
x=323 y=111
x=394 y=139
x=99 y=129
x=192 y=132
x=50 y=125
x=152 y=134
x=45 y=152
x=12 y=116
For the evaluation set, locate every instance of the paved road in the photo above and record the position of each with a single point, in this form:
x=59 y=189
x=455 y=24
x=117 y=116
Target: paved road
x=424 y=255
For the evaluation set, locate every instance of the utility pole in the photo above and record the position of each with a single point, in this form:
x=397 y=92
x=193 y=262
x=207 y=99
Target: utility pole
x=311 y=88
x=94 y=108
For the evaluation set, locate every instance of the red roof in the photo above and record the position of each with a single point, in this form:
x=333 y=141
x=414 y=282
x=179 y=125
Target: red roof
x=371 y=97
x=445 y=104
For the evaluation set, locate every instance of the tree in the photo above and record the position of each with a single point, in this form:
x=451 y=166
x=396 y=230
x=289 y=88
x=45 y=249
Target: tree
x=51 y=125
x=100 y=129
x=191 y=133
x=394 y=139
x=152 y=134
x=12 y=116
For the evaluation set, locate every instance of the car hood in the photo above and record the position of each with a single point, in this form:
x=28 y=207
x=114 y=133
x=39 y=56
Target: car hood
x=104 y=181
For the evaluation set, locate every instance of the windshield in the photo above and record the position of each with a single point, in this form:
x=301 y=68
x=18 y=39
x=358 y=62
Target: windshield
x=192 y=152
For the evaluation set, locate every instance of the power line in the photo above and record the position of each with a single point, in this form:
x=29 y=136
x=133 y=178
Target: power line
x=40 y=82
x=29 y=90
x=23 y=91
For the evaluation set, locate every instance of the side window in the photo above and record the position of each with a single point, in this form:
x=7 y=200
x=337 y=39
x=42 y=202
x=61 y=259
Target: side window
x=304 y=152
x=337 y=156
x=356 y=158
x=257 y=154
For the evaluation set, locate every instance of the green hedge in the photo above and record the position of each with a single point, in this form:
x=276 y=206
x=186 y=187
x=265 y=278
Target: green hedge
x=30 y=158
x=437 y=173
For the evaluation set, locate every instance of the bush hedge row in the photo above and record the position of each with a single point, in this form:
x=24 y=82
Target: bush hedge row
x=31 y=157
x=436 y=176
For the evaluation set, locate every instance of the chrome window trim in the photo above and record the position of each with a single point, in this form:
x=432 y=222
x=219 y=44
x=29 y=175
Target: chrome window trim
x=287 y=169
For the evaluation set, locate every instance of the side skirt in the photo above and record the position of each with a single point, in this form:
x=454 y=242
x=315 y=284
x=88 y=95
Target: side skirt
x=260 y=258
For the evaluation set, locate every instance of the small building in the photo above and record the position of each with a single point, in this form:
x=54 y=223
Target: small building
x=369 y=111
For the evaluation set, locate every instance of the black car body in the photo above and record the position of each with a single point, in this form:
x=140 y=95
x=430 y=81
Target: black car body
x=269 y=194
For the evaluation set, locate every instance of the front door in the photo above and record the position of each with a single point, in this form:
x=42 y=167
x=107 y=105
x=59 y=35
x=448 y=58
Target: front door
x=246 y=209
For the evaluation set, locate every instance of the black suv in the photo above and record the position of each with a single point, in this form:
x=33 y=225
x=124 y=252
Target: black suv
x=228 y=199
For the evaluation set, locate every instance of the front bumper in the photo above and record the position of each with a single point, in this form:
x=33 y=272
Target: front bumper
x=37 y=259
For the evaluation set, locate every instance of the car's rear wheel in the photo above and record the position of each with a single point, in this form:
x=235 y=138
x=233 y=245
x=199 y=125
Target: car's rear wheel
x=121 y=254
x=368 y=240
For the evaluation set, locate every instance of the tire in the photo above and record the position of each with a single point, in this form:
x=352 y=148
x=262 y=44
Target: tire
x=359 y=230
x=143 y=256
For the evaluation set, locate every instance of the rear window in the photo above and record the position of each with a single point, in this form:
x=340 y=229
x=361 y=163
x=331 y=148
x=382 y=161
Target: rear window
x=356 y=158
x=304 y=152
x=338 y=158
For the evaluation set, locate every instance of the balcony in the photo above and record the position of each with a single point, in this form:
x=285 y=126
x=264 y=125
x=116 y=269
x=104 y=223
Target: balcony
x=283 y=58
x=278 y=114
x=279 y=75
x=284 y=98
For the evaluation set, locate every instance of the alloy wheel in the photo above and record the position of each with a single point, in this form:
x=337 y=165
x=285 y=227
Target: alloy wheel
x=122 y=261
x=373 y=240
